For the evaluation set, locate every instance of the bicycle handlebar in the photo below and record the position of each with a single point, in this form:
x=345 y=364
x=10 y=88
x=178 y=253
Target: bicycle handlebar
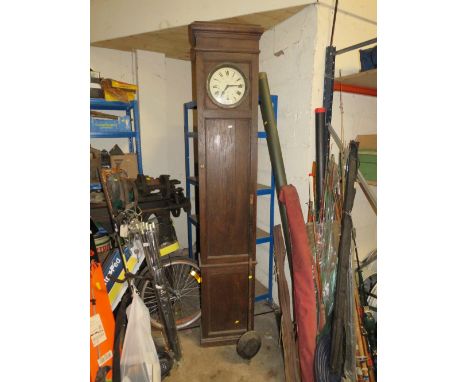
x=130 y=275
x=127 y=277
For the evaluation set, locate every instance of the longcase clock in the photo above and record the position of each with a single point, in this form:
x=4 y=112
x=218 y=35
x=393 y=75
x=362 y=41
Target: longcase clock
x=225 y=86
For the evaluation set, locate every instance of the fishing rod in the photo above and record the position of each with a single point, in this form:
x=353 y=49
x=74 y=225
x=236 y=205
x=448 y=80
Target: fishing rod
x=367 y=321
x=341 y=291
x=362 y=296
x=310 y=212
x=365 y=354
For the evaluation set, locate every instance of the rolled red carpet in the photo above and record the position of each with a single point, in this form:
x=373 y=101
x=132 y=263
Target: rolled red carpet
x=305 y=305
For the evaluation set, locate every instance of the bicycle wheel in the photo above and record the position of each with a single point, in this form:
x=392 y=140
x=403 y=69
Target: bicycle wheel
x=183 y=275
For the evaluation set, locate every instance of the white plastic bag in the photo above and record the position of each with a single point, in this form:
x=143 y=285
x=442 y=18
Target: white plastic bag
x=139 y=361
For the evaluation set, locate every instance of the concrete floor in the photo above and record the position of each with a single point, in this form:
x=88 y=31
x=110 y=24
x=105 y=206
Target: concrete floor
x=222 y=363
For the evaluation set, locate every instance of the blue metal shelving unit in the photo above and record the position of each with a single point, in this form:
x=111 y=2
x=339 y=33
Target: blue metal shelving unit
x=134 y=135
x=262 y=190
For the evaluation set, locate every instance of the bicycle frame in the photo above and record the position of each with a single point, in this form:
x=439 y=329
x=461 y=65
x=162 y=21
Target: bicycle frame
x=148 y=232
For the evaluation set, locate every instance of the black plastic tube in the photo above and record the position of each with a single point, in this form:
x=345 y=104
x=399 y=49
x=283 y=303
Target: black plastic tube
x=321 y=155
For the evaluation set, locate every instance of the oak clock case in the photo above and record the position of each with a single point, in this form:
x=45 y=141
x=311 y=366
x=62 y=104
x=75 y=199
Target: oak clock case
x=226 y=157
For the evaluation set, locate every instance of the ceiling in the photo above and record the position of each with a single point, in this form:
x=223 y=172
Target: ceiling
x=174 y=42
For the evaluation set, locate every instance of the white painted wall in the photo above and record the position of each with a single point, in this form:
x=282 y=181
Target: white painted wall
x=178 y=91
x=113 y=63
x=293 y=56
x=287 y=56
x=163 y=86
x=151 y=76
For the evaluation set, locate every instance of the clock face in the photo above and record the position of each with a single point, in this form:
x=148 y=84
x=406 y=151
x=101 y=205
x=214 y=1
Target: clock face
x=226 y=86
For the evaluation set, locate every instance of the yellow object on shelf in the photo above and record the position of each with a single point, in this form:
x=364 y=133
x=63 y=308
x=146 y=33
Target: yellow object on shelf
x=111 y=96
x=118 y=91
x=123 y=85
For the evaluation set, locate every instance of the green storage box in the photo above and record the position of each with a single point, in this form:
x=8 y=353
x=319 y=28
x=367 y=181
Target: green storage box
x=368 y=165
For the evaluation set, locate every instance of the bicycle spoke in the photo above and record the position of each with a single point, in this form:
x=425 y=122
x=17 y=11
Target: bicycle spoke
x=188 y=289
x=190 y=294
x=184 y=296
x=179 y=278
x=182 y=292
x=188 y=276
x=171 y=276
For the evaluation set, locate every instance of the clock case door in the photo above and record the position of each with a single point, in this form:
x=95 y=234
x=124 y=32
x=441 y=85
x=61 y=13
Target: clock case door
x=227 y=173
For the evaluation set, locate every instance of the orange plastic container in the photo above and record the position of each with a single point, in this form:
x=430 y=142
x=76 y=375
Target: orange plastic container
x=102 y=323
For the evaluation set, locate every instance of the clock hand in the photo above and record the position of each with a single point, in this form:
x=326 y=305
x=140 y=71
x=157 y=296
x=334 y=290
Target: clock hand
x=229 y=85
x=224 y=90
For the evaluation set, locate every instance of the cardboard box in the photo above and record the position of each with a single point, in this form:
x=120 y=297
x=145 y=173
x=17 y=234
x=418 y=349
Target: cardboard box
x=368 y=157
x=104 y=125
x=367 y=142
x=368 y=167
x=126 y=162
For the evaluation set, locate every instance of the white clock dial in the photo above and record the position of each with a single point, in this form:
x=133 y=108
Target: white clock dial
x=227 y=86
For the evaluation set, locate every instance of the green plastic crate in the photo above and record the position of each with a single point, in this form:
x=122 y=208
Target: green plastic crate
x=368 y=165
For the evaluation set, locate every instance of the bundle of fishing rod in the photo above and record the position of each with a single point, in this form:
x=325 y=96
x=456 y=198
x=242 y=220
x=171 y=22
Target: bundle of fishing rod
x=346 y=340
x=339 y=344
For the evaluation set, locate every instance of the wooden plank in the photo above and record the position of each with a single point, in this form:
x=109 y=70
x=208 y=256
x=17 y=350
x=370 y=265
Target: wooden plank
x=361 y=83
x=260 y=233
x=262 y=187
x=291 y=358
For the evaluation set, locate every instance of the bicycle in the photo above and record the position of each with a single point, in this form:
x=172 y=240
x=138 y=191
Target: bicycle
x=167 y=287
x=182 y=273
x=142 y=236
x=146 y=234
